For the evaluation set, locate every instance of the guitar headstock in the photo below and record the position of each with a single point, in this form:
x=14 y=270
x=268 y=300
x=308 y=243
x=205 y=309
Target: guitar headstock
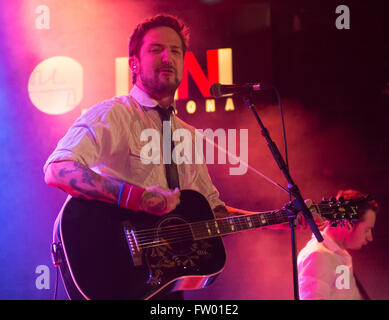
x=337 y=211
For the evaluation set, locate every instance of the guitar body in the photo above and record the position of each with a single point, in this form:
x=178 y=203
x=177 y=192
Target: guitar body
x=99 y=262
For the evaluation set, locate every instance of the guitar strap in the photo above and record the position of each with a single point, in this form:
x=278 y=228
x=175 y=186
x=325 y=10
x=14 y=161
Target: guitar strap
x=170 y=168
x=362 y=291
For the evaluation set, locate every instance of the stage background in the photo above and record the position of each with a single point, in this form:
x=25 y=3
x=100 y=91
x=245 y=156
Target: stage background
x=334 y=86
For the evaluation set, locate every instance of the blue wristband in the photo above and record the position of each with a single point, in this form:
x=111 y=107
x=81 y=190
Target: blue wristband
x=120 y=193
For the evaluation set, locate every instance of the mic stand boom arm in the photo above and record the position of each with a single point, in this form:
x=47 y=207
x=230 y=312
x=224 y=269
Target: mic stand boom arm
x=298 y=202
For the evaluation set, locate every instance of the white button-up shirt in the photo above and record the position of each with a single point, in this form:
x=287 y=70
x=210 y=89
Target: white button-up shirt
x=107 y=139
x=325 y=272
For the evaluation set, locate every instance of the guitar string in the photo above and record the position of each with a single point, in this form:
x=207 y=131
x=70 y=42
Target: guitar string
x=197 y=227
x=184 y=231
x=184 y=237
x=181 y=230
x=159 y=244
x=271 y=219
x=195 y=223
x=187 y=231
x=221 y=224
x=178 y=235
x=236 y=221
x=222 y=220
x=187 y=236
x=170 y=242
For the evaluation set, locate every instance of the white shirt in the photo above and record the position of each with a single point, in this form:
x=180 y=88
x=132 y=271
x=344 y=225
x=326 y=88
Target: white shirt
x=106 y=138
x=325 y=272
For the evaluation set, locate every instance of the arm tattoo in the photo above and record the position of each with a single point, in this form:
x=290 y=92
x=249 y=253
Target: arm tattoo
x=112 y=187
x=149 y=201
x=63 y=172
x=92 y=193
x=88 y=176
x=90 y=185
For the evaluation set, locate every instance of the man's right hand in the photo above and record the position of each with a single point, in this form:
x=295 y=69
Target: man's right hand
x=159 y=201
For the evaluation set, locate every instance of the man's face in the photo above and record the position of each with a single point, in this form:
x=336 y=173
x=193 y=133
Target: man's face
x=161 y=61
x=361 y=234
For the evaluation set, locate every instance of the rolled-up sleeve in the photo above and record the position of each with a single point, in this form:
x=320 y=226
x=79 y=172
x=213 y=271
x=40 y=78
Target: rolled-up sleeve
x=88 y=139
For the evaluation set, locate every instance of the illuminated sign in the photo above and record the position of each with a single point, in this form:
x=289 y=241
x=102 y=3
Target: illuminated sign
x=219 y=65
x=56 y=84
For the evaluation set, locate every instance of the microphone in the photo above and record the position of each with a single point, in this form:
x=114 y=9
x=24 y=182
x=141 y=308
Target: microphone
x=217 y=89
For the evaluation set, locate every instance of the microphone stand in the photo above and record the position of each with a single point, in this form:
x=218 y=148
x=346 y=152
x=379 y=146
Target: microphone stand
x=294 y=206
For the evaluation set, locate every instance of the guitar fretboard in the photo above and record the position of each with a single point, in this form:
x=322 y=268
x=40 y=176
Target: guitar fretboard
x=218 y=227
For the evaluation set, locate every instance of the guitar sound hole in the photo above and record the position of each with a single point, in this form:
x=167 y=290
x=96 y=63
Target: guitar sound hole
x=176 y=235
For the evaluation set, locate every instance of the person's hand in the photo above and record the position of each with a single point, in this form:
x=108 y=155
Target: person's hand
x=221 y=212
x=301 y=222
x=159 y=201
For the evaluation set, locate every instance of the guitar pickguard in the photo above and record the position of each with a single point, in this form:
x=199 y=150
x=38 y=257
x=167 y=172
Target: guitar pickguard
x=164 y=262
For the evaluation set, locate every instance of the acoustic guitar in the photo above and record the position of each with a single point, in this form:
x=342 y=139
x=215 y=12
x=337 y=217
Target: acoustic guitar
x=107 y=252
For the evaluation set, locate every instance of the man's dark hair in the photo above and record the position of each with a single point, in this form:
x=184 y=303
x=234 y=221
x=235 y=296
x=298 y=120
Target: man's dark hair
x=357 y=195
x=160 y=20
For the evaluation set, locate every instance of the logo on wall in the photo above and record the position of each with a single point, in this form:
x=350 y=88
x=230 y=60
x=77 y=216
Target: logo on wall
x=56 y=84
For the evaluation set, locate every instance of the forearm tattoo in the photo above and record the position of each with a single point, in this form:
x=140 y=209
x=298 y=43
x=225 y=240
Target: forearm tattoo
x=91 y=179
x=112 y=187
x=154 y=202
x=63 y=172
x=88 y=176
x=85 y=192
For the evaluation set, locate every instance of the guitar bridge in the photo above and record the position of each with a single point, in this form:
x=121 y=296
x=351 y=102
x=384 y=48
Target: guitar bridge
x=136 y=252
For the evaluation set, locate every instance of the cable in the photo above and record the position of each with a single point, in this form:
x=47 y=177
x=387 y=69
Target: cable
x=241 y=161
x=292 y=224
x=56 y=285
x=283 y=126
x=283 y=132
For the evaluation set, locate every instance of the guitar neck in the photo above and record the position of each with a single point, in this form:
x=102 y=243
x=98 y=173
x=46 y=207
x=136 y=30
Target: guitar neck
x=219 y=227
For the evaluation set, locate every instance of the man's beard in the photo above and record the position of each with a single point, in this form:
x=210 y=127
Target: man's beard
x=159 y=88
